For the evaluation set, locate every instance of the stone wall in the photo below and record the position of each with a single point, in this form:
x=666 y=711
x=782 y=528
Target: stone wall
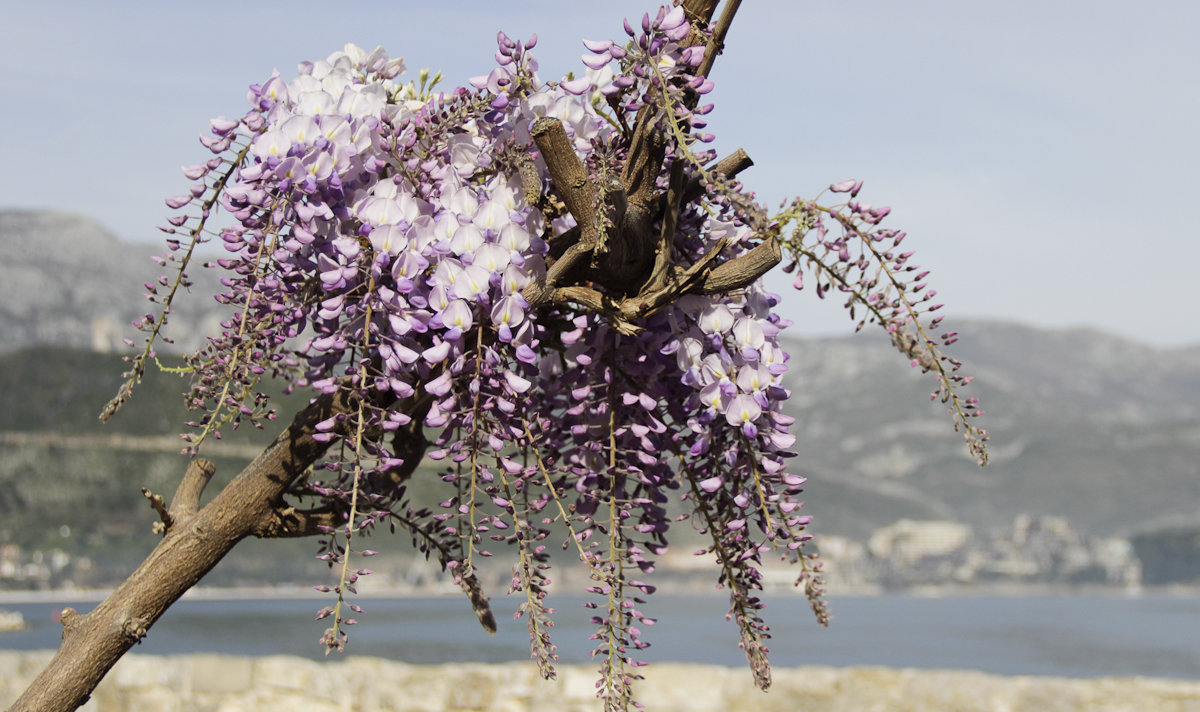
x=212 y=683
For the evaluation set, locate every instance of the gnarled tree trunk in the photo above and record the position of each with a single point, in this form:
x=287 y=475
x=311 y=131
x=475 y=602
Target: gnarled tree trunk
x=195 y=540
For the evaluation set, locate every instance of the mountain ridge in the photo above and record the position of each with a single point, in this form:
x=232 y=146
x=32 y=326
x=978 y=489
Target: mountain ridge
x=1085 y=424
x=66 y=280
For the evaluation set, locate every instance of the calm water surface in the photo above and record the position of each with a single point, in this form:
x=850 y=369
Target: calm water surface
x=1079 y=636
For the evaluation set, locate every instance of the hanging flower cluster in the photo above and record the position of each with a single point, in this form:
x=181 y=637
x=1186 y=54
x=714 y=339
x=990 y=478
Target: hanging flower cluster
x=420 y=250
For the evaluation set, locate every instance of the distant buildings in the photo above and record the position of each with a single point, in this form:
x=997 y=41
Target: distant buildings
x=1041 y=550
x=41 y=570
x=903 y=555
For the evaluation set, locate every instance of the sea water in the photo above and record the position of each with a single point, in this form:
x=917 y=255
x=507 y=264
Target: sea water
x=1076 y=636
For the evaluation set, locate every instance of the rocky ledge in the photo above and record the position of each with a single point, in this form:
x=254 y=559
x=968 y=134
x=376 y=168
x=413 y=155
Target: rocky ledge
x=234 y=684
x=11 y=621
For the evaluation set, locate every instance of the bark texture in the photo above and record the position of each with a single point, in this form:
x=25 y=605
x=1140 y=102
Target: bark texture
x=193 y=543
x=615 y=262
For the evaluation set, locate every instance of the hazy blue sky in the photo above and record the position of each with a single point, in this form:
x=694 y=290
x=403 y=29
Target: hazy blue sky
x=1041 y=155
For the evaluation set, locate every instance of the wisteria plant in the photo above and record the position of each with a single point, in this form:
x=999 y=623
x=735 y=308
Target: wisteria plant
x=551 y=290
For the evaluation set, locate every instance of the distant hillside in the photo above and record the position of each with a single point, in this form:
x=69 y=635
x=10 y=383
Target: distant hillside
x=70 y=483
x=1097 y=429
x=1101 y=430
x=66 y=281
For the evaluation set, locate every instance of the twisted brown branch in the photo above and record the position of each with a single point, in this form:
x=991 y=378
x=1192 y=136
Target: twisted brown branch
x=631 y=272
x=93 y=642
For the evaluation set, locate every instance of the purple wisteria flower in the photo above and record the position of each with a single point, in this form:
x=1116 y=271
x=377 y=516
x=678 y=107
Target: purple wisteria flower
x=384 y=241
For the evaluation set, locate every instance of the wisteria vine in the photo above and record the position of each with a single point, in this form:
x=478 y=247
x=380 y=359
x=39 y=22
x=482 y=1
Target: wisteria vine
x=550 y=291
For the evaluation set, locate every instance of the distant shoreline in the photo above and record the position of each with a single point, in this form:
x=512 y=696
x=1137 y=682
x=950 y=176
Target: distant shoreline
x=1076 y=636
x=205 y=593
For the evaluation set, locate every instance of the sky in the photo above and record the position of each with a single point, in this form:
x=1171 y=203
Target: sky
x=1041 y=155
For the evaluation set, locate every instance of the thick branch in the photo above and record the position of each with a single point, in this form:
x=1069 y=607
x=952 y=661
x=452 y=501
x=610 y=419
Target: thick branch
x=728 y=166
x=599 y=214
x=744 y=270
x=665 y=250
x=717 y=44
x=568 y=173
x=700 y=11
x=597 y=302
x=630 y=261
x=93 y=643
x=541 y=291
x=647 y=149
x=186 y=501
